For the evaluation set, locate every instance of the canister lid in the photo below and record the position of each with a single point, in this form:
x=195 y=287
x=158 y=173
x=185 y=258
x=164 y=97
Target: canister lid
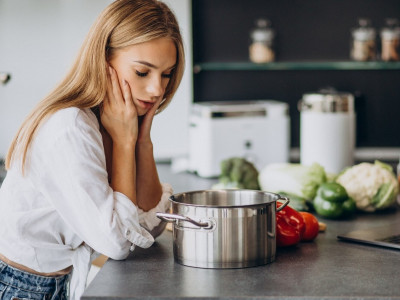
x=327 y=101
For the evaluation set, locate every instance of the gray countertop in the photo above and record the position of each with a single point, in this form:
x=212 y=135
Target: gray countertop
x=324 y=269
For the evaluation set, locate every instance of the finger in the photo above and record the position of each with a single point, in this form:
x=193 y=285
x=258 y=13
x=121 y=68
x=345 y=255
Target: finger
x=110 y=95
x=104 y=109
x=147 y=121
x=115 y=87
x=156 y=105
x=126 y=91
x=127 y=94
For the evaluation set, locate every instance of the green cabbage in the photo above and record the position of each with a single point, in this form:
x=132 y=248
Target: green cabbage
x=295 y=179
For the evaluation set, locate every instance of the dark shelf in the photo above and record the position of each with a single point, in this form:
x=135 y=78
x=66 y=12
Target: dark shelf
x=298 y=65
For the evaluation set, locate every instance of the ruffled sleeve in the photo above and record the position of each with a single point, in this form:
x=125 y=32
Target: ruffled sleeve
x=130 y=221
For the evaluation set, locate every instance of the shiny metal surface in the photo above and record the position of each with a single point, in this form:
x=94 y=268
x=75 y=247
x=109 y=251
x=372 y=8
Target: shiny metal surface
x=173 y=217
x=249 y=108
x=243 y=231
x=327 y=102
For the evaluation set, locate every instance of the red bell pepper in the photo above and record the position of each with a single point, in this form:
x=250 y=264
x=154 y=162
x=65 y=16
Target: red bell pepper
x=312 y=227
x=290 y=226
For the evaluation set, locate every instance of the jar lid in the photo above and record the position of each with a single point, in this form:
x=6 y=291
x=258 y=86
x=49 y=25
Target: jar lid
x=364 y=32
x=392 y=30
x=390 y=33
x=262 y=32
x=329 y=101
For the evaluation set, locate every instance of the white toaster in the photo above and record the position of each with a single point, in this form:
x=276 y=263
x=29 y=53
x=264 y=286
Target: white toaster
x=256 y=130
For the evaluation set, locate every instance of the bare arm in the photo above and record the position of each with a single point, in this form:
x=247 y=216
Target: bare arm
x=132 y=166
x=119 y=118
x=148 y=186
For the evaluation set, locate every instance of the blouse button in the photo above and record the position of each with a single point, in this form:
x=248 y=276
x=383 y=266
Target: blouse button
x=127 y=233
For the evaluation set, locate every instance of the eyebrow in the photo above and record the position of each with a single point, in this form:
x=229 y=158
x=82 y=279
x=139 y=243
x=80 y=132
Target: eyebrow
x=150 y=65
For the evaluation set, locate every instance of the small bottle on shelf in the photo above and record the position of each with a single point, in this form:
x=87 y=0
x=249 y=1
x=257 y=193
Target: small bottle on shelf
x=261 y=49
x=363 y=47
x=390 y=40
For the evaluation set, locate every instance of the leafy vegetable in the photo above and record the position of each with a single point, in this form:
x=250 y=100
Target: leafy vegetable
x=295 y=179
x=372 y=186
x=237 y=172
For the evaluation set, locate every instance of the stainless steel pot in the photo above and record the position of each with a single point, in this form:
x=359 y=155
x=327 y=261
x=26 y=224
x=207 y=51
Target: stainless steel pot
x=224 y=228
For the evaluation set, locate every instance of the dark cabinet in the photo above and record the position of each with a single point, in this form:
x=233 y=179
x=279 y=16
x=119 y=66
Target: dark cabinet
x=312 y=50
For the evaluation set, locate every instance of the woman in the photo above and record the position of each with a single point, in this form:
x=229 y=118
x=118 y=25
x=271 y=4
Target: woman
x=81 y=173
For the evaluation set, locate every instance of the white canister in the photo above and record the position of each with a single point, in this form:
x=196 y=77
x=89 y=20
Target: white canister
x=327 y=130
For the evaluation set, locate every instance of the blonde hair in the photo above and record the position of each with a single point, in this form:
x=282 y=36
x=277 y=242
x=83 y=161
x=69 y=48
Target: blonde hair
x=123 y=23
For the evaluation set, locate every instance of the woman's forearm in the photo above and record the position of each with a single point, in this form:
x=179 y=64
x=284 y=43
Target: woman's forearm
x=148 y=186
x=123 y=177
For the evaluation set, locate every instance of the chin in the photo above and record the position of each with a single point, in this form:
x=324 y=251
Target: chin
x=141 y=113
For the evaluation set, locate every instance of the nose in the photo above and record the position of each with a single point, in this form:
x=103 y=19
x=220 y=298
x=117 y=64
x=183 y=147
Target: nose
x=155 y=87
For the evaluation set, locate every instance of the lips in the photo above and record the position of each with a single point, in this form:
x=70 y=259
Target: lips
x=145 y=104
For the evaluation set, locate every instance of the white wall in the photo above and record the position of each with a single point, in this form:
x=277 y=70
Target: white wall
x=170 y=130
x=38 y=42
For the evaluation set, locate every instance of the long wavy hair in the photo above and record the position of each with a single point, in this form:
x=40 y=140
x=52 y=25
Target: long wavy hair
x=123 y=23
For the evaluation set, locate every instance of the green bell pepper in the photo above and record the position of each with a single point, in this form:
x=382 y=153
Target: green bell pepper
x=332 y=201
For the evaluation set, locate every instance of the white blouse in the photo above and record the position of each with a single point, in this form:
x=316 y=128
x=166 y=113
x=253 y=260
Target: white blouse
x=63 y=209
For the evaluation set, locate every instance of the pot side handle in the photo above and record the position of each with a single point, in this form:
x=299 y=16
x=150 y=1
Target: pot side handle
x=173 y=217
x=286 y=199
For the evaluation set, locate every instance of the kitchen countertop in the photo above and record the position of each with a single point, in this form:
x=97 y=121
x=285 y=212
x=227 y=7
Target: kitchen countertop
x=324 y=269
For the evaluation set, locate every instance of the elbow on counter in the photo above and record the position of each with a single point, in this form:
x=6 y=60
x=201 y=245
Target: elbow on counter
x=118 y=252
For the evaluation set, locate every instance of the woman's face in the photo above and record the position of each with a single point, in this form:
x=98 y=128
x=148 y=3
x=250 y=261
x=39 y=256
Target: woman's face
x=147 y=67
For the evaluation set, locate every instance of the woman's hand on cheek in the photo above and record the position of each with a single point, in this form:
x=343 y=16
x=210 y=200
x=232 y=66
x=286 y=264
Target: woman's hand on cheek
x=119 y=115
x=146 y=122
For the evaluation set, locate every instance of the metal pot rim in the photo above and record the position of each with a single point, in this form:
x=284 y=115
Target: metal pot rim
x=245 y=205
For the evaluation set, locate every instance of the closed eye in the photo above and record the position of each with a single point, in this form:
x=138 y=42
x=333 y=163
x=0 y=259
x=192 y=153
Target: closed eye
x=140 y=74
x=167 y=75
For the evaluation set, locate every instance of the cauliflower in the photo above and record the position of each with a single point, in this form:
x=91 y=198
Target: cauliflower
x=372 y=186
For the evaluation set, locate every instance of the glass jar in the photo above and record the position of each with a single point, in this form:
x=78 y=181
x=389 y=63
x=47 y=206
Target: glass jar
x=261 y=49
x=390 y=41
x=363 y=46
